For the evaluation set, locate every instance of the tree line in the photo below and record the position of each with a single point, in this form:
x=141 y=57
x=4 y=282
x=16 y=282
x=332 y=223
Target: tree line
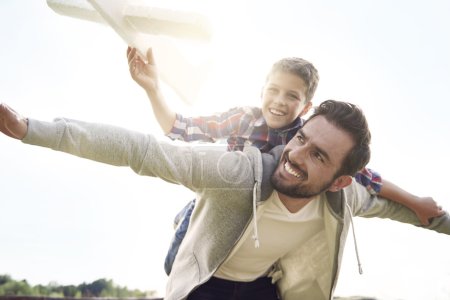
x=98 y=288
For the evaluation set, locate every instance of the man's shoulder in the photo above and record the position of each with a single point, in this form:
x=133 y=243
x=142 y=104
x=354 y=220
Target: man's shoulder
x=269 y=162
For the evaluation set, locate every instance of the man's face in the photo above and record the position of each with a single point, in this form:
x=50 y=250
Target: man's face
x=311 y=159
x=283 y=99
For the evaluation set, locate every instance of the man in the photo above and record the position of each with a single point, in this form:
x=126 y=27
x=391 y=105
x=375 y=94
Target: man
x=280 y=217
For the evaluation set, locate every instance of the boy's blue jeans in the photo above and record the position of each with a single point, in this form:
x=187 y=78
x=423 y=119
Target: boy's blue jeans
x=182 y=221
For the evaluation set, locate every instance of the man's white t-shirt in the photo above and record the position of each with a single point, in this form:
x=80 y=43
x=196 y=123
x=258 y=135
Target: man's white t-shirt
x=279 y=232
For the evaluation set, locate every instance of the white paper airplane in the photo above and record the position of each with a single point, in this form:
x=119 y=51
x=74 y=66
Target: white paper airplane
x=142 y=25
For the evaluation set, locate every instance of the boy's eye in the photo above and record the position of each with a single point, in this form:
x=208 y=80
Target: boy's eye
x=293 y=97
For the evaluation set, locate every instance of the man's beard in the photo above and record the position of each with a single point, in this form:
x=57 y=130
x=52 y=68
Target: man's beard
x=298 y=191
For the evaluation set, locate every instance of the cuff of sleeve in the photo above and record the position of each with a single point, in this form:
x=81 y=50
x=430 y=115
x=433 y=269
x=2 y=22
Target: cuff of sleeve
x=44 y=134
x=370 y=179
x=178 y=128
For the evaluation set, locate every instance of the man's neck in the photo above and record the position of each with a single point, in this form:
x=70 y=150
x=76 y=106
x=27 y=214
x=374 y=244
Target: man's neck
x=294 y=204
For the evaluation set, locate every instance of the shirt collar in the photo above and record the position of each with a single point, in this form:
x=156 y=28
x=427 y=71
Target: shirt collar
x=295 y=125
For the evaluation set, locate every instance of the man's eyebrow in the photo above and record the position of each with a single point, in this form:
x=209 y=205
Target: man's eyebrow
x=320 y=150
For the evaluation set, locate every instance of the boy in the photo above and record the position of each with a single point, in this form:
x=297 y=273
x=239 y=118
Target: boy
x=286 y=97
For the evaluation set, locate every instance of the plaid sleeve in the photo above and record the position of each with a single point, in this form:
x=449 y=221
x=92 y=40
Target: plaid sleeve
x=370 y=179
x=206 y=128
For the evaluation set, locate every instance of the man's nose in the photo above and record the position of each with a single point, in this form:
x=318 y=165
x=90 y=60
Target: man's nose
x=298 y=155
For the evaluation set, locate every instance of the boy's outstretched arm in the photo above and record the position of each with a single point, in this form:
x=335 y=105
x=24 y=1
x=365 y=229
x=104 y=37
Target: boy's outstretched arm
x=12 y=124
x=146 y=75
x=424 y=207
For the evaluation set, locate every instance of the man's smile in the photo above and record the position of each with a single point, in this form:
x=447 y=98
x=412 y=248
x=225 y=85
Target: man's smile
x=294 y=171
x=288 y=169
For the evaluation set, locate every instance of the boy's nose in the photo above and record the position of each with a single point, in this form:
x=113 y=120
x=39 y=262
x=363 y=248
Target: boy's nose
x=279 y=99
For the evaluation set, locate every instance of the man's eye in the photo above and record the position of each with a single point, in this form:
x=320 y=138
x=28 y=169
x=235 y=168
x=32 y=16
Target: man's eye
x=318 y=156
x=300 y=139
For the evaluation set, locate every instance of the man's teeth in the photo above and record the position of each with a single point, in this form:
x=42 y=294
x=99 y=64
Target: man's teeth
x=288 y=168
x=277 y=112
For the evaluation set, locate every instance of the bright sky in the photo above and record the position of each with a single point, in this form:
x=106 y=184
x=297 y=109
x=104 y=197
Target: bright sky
x=69 y=220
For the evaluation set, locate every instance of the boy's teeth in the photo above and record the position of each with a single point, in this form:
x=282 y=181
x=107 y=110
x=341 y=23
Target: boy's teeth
x=277 y=112
x=290 y=170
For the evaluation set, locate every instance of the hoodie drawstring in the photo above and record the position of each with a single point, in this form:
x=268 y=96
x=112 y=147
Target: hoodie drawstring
x=354 y=237
x=255 y=223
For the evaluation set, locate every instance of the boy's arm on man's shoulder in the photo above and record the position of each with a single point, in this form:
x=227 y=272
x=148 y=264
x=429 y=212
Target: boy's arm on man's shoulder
x=364 y=204
x=370 y=179
x=212 y=127
x=424 y=207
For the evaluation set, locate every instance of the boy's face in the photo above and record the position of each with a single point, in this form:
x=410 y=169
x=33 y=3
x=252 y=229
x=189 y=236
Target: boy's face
x=283 y=99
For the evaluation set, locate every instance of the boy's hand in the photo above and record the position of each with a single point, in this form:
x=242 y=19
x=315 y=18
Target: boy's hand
x=144 y=73
x=11 y=123
x=427 y=209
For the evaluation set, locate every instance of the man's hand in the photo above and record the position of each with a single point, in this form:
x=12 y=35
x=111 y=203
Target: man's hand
x=144 y=73
x=11 y=123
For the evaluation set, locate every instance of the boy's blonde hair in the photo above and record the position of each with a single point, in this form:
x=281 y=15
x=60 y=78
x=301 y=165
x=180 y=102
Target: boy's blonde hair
x=300 y=67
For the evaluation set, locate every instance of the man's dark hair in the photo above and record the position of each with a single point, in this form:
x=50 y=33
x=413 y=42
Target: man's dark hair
x=351 y=119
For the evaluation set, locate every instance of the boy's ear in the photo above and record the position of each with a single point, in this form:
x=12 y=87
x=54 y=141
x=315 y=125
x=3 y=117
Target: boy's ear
x=306 y=109
x=340 y=183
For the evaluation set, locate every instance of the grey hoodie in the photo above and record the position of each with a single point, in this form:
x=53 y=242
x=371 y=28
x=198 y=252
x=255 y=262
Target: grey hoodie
x=229 y=186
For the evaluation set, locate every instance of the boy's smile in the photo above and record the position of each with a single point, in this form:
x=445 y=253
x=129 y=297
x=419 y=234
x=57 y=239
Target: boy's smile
x=283 y=99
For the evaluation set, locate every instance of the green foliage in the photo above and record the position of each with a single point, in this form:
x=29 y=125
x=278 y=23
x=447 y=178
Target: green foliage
x=15 y=288
x=98 y=288
x=4 y=279
x=70 y=291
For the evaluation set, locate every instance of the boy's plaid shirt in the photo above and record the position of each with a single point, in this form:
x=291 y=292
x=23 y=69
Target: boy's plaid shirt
x=244 y=126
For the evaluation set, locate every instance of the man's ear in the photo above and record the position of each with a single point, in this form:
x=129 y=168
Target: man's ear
x=306 y=109
x=340 y=183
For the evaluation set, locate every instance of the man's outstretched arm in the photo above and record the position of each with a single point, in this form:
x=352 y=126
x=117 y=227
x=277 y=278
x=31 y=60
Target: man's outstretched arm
x=197 y=168
x=365 y=205
x=103 y=143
